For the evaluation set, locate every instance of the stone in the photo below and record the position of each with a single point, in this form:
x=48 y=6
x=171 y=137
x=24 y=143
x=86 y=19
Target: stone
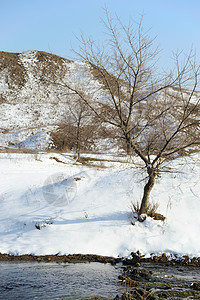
x=142 y=217
x=196 y=285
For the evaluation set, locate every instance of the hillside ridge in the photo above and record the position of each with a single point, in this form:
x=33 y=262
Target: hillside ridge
x=33 y=96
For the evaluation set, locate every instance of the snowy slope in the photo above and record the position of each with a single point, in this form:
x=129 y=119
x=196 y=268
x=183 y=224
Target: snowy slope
x=51 y=204
x=33 y=96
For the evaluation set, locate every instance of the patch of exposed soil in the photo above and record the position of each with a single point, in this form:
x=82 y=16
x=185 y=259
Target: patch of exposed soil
x=71 y=258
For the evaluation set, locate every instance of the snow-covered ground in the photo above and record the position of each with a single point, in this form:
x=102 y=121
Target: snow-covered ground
x=51 y=204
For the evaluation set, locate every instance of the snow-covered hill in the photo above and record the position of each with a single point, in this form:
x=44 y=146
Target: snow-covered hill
x=32 y=95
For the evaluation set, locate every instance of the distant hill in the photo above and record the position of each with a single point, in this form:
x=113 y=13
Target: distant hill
x=33 y=98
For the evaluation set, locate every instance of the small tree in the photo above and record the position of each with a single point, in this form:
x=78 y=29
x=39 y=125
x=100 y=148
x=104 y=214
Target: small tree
x=80 y=118
x=157 y=114
x=76 y=130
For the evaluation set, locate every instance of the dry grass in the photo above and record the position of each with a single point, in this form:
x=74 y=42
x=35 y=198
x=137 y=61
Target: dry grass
x=16 y=70
x=150 y=210
x=87 y=161
x=132 y=291
x=46 y=57
x=18 y=150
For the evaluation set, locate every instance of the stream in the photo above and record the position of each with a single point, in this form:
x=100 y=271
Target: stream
x=32 y=280
x=29 y=280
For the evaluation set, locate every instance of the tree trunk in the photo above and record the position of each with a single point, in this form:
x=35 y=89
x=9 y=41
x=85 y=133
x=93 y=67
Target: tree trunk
x=147 y=189
x=78 y=139
x=77 y=150
x=78 y=153
x=128 y=143
x=128 y=148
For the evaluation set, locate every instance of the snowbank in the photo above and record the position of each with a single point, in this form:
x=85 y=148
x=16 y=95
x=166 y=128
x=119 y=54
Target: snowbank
x=51 y=206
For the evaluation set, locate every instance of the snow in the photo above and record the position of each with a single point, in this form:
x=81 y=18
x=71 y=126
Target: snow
x=83 y=209
x=37 y=141
x=36 y=107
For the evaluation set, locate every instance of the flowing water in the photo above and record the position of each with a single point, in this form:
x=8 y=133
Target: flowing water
x=29 y=280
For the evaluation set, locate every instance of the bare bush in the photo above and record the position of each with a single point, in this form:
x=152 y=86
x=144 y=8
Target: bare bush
x=150 y=211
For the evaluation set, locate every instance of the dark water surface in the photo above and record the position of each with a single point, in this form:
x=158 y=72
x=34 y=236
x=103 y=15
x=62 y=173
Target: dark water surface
x=28 y=280
x=33 y=280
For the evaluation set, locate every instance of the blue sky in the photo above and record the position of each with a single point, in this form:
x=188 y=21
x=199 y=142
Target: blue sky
x=51 y=25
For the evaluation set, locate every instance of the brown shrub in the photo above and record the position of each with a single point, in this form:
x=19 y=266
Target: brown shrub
x=150 y=210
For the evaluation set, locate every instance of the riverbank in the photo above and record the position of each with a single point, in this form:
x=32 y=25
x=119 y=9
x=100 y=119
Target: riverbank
x=134 y=259
x=154 y=281
x=71 y=258
x=52 y=204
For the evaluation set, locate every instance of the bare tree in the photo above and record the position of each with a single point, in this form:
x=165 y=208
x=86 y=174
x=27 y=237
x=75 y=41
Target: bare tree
x=157 y=114
x=80 y=118
x=77 y=130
